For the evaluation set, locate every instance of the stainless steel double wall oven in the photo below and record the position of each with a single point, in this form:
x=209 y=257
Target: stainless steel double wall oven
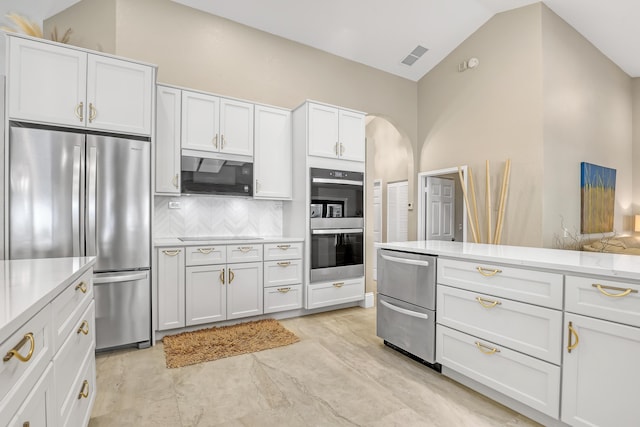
x=337 y=224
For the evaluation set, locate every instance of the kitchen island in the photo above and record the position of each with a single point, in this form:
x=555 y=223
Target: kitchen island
x=47 y=341
x=553 y=334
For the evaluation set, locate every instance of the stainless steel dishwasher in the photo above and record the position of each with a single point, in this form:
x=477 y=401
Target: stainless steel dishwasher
x=406 y=310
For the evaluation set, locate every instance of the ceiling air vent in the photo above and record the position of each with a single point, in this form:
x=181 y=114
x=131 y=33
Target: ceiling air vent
x=414 y=55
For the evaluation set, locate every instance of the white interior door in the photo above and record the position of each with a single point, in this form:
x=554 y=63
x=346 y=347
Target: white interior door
x=377 y=222
x=397 y=213
x=440 y=212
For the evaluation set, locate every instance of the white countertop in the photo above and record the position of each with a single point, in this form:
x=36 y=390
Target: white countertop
x=174 y=241
x=27 y=285
x=604 y=264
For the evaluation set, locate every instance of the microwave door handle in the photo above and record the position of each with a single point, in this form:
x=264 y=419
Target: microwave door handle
x=404 y=310
x=405 y=261
x=336 y=181
x=337 y=231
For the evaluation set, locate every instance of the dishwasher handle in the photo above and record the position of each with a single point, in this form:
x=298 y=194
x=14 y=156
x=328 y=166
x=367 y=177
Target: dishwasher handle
x=404 y=310
x=120 y=278
x=408 y=261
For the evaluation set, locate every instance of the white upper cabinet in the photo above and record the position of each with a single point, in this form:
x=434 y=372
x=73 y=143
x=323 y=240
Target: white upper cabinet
x=336 y=133
x=60 y=85
x=272 y=167
x=214 y=124
x=168 y=101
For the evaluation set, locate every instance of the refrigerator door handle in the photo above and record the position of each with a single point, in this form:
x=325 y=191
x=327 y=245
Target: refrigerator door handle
x=76 y=201
x=122 y=278
x=92 y=184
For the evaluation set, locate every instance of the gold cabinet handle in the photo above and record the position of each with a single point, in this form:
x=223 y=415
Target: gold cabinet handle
x=231 y=276
x=205 y=251
x=175 y=180
x=84 y=391
x=82 y=287
x=487 y=303
x=341 y=149
x=624 y=291
x=14 y=351
x=245 y=248
x=487 y=272
x=171 y=253
x=338 y=285
x=84 y=328
x=283 y=247
x=222 y=140
x=284 y=263
x=92 y=113
x=572 y=333
x=485 y=349
x=284 y=290
x=26 y=424
x=80 y=111
x=215 y=141
x=336 y=148
x=222 y=276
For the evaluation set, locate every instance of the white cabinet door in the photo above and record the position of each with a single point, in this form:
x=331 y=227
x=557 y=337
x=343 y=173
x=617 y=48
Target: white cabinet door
x=244 y=290
x=200 y=121
x=46 y=83
x=119 y=95
x=236 y=127
x=206 y=294
x=37 y=408
x=272 y=167
x=168 y=140
x=323 y=131
x=351 y=134
x=600 y=375
x=170 y=288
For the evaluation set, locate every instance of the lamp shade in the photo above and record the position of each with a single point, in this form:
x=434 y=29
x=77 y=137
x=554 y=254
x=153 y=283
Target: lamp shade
x=637 y=223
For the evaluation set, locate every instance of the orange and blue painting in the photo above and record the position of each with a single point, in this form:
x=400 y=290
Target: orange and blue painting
x=598 y=196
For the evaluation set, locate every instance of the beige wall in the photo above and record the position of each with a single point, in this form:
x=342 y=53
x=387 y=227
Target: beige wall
x=635 y=90
x=492 y=112
x=587 y=118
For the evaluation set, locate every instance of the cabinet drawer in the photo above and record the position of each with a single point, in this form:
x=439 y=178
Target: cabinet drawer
x=205 y=255
x=244 y=253
x=533 y=330
x=69 y=306
x=605 y=299
x=535 y=287
x=282 y=298
x=280 y=273
x=33 y=341
x=67 y=361
x=280 y=251
x=337 y=292
x=523 y=378
x=76 y=405
x=37 y=407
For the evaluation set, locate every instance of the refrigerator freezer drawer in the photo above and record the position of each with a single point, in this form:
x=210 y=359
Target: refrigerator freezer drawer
x=123 y=308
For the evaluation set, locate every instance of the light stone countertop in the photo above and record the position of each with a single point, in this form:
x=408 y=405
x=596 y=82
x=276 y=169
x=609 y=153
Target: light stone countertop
x=174 y=241
x=617 y=266
x=27 y=285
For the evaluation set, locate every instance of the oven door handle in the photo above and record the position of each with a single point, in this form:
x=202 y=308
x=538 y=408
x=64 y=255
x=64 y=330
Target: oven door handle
x=404 y=310
x=337 y=231
x=406 y=261
x=336 y=181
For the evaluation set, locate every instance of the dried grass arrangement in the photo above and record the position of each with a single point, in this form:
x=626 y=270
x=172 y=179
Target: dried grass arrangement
x=32 y=29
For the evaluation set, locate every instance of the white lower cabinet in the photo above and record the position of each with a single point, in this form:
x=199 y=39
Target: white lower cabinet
x=244 y=290
x=205 y=294
x=334 y=292
x=37 y=408
x=171 y=292
x=282 y=298
x=523 y=378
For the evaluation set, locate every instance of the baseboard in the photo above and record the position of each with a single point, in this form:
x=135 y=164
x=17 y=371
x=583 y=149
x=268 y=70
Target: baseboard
x=367 y=302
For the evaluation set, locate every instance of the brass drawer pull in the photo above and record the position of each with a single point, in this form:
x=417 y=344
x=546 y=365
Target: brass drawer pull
x=171 y=253
x=215 y=141
x=574 y=333
x=82 y=287
x=487 y=272
x=84 y=328
x=222 y=276
x=624 y=291
x=14 y=350
x=245 y=248
x=93 y=112
x=283 y=247
x=79 y=111
x=205 y=251
x=222 y=141
x=338 y=285
x=284 y=290
x=84 y=391
x=231 y=276
x=485 y=349
x=175 y=180
x=487 y=303
x=284 y=263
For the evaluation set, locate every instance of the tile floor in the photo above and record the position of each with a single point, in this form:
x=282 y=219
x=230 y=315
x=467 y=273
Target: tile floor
x=339 y=374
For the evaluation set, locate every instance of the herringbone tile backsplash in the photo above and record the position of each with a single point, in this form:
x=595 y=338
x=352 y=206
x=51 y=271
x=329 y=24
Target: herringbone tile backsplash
x=217 y=216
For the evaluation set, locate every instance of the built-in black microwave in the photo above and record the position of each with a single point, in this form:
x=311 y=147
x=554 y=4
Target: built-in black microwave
x=221 y=177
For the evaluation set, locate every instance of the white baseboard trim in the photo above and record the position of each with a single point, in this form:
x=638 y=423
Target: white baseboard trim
x=367 y=302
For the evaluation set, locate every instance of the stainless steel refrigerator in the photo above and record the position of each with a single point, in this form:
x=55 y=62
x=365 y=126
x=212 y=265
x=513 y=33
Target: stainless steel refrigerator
x=77 y=194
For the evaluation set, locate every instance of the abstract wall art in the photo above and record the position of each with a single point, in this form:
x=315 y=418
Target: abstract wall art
x=598 y=196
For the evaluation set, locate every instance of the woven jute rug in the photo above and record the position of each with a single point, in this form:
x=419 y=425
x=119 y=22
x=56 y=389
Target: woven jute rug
x=189 y=348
